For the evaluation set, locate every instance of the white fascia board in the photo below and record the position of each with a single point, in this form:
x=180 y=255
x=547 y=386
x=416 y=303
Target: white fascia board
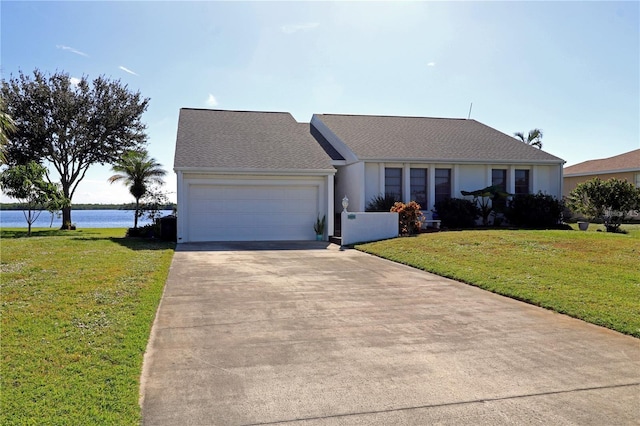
x=267 y=172
x=602 y=172
x=334 y=140
x=461 y=161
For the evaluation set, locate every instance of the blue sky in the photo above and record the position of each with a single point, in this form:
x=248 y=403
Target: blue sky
x=571 y=69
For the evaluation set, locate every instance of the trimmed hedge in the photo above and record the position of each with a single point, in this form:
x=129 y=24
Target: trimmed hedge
x=536 y=211
x=457 y=213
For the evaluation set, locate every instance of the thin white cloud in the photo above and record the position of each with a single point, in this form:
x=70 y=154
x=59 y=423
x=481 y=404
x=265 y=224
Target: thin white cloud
x=294 y=28
x=127 y=70
x=211 y=101
x=75 y=81
x=431 y=64
x=71 y=49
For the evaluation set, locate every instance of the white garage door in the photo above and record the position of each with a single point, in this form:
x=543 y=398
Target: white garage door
x=252 y=212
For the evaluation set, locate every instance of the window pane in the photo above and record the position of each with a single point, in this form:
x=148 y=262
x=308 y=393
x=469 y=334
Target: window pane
x=499 y=178
x=393 y=182
x=419 y=186
x=443 y=184
x=522 y=181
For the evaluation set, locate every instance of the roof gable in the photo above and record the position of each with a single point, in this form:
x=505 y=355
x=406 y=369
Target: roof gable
x=391 y=138
x=222 y=139
x=628 y=161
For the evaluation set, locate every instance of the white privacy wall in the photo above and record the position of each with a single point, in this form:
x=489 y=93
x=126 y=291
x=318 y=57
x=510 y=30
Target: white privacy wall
x=360 y=227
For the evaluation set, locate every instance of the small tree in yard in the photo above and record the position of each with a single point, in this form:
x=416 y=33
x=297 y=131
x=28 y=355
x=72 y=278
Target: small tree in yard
x=153 y=202
x=138 y=172
x=7 y=128
x=71 y=125
x=27 y=184
x=610 y=201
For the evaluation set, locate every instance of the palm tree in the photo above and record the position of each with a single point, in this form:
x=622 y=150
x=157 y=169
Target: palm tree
x=138 y=171
x=7 y=127
x=534 y=138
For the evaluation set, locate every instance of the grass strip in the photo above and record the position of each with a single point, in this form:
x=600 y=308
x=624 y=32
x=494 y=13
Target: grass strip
x=593 y=276
x=76 y=308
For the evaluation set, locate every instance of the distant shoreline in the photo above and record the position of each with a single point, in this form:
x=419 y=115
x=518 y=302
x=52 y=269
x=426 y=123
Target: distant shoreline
x=129 y=206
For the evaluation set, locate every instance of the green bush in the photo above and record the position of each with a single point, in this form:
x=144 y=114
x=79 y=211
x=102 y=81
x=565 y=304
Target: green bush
x=536 y=211
x=381 y=203
x=457 y=213
x=609 y=201
x=148 y=231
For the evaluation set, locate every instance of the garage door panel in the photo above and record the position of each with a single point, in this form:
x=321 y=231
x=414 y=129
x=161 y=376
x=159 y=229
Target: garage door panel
x=252 y=212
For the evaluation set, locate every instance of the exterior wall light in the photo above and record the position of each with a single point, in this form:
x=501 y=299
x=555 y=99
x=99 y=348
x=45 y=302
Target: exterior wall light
x=345 y=204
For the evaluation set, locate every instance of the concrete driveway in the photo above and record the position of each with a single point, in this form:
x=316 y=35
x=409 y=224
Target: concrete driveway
x=306 y=334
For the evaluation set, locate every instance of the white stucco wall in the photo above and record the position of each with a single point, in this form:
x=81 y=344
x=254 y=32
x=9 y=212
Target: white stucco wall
x=471 y=177
x=360 y=227
x=548 y=179
x=372 y=187
x=350 y=181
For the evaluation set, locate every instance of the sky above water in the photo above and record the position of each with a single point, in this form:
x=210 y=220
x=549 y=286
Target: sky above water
x=569 y=68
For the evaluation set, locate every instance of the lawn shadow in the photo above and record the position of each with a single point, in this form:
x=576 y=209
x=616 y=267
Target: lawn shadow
x=37 y=232
x=89 y=235
x=133 y=243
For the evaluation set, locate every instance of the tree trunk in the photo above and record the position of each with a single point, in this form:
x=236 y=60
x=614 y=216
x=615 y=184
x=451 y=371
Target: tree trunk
x=66 y=217
x=135 y=220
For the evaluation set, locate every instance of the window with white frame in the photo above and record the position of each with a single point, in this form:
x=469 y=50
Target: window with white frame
x=522 y=181
x=442 y=184
x=637 y=180
x=419 y=186
x=393 y=182
x=499 y=180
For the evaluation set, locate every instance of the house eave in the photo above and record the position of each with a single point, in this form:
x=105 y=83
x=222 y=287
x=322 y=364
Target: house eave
x=461 y=161
x=603 y=172
x=252 y=171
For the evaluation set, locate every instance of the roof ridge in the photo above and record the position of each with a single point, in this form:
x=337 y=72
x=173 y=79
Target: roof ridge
x=235 y=110
x=395 y=116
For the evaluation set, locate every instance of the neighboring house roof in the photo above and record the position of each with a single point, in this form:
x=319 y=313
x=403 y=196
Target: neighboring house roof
x=389 y=138
x=627 y=162
x=242 y=140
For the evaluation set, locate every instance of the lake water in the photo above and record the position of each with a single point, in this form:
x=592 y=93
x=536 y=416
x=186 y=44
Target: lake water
x=81 y=218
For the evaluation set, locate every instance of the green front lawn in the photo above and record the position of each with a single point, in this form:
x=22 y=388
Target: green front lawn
x=594 y=276
x=77 y=309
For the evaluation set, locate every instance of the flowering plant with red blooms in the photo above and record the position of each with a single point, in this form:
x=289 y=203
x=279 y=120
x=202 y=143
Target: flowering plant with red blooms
x=410 y=217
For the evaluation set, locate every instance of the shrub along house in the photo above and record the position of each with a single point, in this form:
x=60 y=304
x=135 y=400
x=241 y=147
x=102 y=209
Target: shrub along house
x=264 y=176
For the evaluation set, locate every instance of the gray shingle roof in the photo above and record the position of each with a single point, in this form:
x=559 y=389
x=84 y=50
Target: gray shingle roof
x=429 y=139
x=627 y=161
x=220 y=139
